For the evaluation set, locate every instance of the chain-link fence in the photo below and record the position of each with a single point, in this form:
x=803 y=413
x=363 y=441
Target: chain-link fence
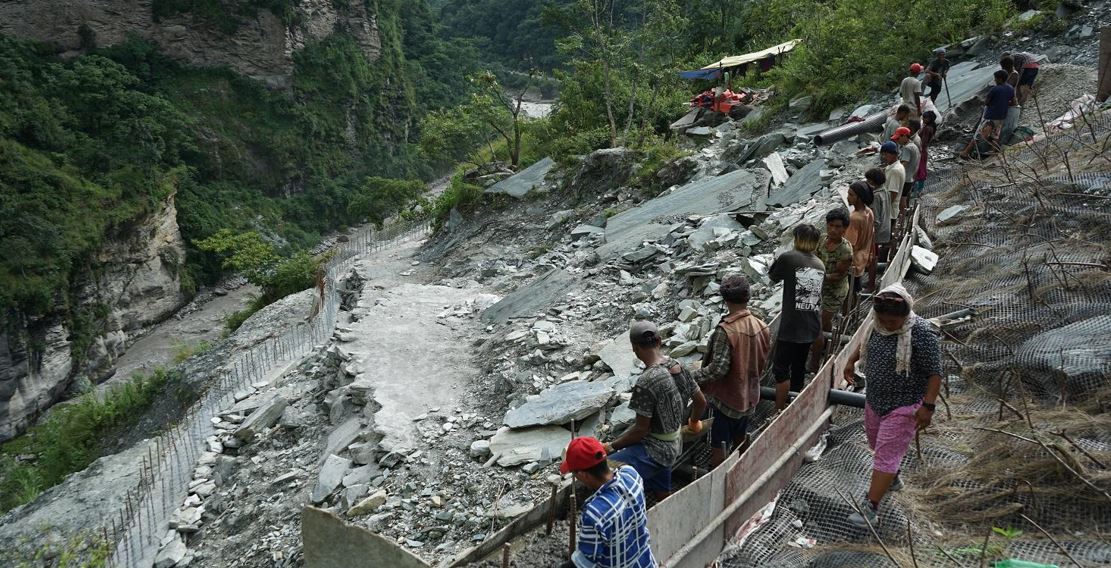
x=1017 y=463
x=136 y=530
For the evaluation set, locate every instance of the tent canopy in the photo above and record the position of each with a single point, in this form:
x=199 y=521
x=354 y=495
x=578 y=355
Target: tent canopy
x=701 y=74
x=738 y=60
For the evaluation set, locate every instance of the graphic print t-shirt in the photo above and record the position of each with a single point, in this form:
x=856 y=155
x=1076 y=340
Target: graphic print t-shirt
x=801 y=273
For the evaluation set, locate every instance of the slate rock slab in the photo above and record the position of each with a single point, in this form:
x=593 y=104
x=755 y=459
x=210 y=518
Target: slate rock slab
x=799 y=187
x=330 y=477
x=515 y=447
x=537 y=296
x=560 y=404
x=653 y=219
x=522 y=183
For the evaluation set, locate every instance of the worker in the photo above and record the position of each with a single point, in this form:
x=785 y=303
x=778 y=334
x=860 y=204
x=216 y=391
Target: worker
x=899 y=119
x=995 y=112
x=887 y=200
x=862 y=231
x=732 y=367
x=876 y=179
x=659 y=399
x=936 y=73
x=800 y=320
x=613 y=526
x=836 y=253
x=909 y=153
x=1007 y=63
x=910 y=90
x=1026 y=64
x=925 y=136
x=901 y=356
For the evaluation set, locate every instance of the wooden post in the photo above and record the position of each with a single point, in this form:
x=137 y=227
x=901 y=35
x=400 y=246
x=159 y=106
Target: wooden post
x=1104 y=90
x=552 y=509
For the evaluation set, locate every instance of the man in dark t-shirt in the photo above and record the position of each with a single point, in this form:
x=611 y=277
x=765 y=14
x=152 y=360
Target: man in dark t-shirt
x=936 y=72
x=800 y=320
x=996 y=104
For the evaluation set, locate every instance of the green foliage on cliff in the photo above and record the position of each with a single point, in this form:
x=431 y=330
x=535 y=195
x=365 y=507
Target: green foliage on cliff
x=68 y=439
x=851 y=47
x=223 y=15
x=83 y=152
x=91 y=145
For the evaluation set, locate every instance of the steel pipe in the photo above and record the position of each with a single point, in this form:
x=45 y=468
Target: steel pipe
x=870 y=123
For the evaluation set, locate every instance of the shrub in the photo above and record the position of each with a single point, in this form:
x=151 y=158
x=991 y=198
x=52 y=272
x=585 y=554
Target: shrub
x=68 y=439
x=459 y=194
x=850 y=47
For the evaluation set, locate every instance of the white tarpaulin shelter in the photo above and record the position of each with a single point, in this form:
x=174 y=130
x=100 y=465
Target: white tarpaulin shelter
x=738 y=60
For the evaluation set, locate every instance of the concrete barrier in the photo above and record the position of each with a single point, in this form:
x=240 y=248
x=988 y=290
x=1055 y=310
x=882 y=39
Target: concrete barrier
x=329 y=542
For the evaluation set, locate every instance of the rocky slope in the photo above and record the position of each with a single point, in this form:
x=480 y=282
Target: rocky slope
x=136 y=283
x=260 y=47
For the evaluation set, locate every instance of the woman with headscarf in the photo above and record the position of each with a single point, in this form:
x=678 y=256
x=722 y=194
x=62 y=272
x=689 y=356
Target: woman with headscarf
x=901 y=359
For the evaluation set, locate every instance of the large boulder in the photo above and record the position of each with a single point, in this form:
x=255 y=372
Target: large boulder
x=604 y=170
x=1074 y=358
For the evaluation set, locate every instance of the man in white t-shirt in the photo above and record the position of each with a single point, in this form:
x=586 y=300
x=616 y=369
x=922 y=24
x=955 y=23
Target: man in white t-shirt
x=895 y=176
x=910 y=90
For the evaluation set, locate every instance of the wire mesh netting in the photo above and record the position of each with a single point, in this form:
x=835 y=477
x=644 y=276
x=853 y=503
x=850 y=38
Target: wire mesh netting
x=1021 y=446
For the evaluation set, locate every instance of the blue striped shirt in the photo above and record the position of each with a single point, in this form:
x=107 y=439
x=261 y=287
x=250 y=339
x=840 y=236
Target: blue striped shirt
x=613 y=527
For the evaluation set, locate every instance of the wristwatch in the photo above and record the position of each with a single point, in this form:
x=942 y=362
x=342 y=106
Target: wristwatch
x=929 y=406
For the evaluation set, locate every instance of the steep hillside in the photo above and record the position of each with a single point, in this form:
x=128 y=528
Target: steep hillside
x=143 y=127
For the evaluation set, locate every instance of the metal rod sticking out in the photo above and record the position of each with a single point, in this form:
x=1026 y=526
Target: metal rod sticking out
x=571 y=523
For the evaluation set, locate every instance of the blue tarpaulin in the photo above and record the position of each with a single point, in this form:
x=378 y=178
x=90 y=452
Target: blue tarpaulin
x=701 y=74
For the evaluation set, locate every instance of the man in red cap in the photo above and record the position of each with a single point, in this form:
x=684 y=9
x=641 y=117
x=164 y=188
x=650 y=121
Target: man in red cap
x=910 y=90
x=908 y=156
x=613 y=526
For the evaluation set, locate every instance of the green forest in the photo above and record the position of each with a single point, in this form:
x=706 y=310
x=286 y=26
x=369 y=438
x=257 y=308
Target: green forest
x=91 y=144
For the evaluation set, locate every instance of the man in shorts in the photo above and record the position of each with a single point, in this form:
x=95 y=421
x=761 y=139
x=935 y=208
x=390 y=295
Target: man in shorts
x=800 y=321
x=836 y=253
x=995 y=112
x=936 y=72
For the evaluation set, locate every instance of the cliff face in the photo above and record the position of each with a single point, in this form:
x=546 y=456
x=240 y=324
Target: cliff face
x=260 y=47
x=135 y=283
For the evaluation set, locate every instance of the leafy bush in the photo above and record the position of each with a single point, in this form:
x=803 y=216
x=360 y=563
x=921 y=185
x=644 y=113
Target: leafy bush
x=257 y=259
x=850 y=47
x=68 y=439
x=459 y=194
x=379 y=198
x=657 y=152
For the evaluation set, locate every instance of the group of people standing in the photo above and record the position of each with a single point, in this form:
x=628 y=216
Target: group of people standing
x=900 y=357
x=1014 y=81
x=821 y=275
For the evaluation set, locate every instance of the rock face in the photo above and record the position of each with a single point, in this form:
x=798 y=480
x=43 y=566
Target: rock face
x=260 y=47
x=136 y=284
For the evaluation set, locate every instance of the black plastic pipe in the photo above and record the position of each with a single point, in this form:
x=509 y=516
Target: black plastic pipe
x=836 y=396
x=870 y=123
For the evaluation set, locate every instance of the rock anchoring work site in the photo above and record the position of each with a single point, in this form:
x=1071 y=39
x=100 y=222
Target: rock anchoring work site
x=588 y=284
